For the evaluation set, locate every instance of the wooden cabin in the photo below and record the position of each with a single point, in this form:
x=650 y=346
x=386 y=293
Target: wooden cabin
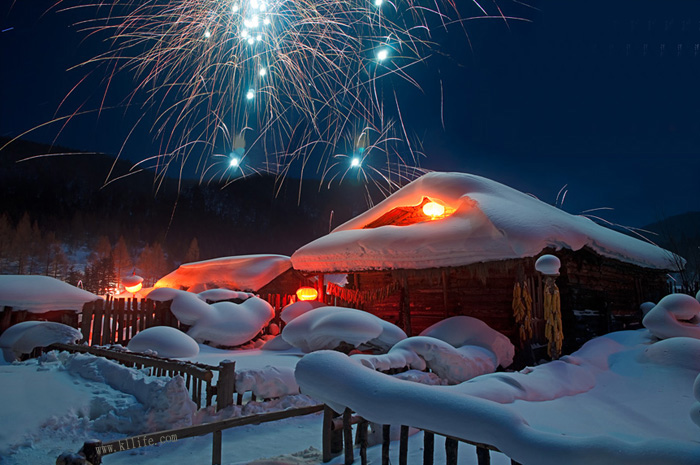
x=414 y=268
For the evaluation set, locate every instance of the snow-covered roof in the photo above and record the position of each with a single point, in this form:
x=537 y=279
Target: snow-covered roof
x=40 y=294
x=486 y=221
x=243 y=273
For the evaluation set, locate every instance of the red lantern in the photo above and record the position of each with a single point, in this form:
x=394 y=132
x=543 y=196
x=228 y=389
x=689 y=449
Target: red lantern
x=307 y=293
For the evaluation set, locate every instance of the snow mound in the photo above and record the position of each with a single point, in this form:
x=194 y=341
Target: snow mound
x=630 y=401
x=646 y=307
x=454 y=365
x=217 y=295
x=228 y=324
x=243 y=273
x=40 y=294
x=187 y=307
x=24 y=337
x=490 y=222
x=296 y=309
x=548 y=265
x=165 y=341
x=267 y=382
x=675 y=315
x=332 y=327
x=463 y=330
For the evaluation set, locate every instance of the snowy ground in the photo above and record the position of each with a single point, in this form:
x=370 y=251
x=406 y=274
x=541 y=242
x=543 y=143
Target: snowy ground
x=48 y=408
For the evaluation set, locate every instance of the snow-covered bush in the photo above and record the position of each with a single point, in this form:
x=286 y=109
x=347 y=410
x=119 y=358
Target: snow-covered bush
x=459 y=331
x=296 y=309
x=228 y=324
x=333 y=327
x=24 y=337
x=675 y=315
x=165 y=342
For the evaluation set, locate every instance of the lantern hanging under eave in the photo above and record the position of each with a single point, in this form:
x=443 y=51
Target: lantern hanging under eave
x=307 y=293
x=133 y=283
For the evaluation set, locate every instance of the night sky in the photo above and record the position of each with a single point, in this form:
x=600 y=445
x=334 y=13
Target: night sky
x=600 y=95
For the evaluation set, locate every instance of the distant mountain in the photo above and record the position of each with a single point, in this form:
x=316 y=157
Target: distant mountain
x=66 y=194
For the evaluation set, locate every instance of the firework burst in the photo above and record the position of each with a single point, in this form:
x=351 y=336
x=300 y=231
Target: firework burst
x=292 y=78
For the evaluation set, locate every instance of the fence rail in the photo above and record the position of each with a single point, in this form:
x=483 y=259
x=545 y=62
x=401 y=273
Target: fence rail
x=94 y=450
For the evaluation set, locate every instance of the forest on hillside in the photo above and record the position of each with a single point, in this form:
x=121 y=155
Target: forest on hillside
x=58 y=218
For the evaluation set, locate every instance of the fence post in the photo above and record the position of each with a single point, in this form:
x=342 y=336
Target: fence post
x=483 y=456
x=386 y=441
x=403 y=446
x=362 y=436
x=451 y=448
x=428 y=448
x=91 y=451
x=216 y=449
x=347 y=437
x=226 y=384
x=85 y=325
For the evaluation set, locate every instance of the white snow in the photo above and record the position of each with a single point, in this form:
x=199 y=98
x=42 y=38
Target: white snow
x=230 y=324
x=460 y=331
x=267 y=382
x=618 y=400
x=40 y=294
x=453 y=365
x=295 y=309
x=241 y=273
x=548 y=265
x=674 y=315
x=187 y=307
x=217 y=295
x=491 y=222
x=26 y=336
x=328 y=327
x=165 y=342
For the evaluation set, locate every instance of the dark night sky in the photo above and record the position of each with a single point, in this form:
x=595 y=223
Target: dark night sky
x=600 y=95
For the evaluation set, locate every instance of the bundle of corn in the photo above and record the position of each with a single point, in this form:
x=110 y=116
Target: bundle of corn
x=552 y=314
x=522 y=311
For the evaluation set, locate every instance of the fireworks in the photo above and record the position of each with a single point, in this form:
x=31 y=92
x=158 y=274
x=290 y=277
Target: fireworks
x=296 y=77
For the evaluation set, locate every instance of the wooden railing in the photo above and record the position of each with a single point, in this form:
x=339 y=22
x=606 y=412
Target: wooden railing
x=337 y=437
x=198 y=376
x=94 y=450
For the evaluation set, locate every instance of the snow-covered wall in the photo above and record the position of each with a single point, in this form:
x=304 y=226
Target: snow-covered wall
x=491 y=222
x=40 y=294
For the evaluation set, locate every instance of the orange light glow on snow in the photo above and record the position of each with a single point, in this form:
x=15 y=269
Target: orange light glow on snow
x=433 y=210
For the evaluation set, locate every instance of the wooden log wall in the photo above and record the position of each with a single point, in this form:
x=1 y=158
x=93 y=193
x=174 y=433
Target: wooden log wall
x=588 y=281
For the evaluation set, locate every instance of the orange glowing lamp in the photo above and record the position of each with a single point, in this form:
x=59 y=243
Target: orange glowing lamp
x=307 y=293
x=132 y=283
x=433 y=210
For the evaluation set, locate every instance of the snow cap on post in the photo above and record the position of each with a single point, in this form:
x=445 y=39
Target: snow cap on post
x=548 y=265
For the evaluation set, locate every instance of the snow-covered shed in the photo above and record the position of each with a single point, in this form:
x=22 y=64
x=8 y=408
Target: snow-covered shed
x=456 y=244
x=269 y=276
x=33 y=297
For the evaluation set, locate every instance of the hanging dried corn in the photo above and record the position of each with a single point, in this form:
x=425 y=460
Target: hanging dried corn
x=522 y=311
x=552 y=314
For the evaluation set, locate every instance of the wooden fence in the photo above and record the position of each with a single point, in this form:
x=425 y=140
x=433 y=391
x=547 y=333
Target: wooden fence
x=337 y=437
x=94 y=450
x=116 y=321
x=199 y=378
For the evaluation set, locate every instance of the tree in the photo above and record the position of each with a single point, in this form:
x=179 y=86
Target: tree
x=192 y=254
x=152 y=263
x=20 y=242
x=122 y=259
x=6 y=233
